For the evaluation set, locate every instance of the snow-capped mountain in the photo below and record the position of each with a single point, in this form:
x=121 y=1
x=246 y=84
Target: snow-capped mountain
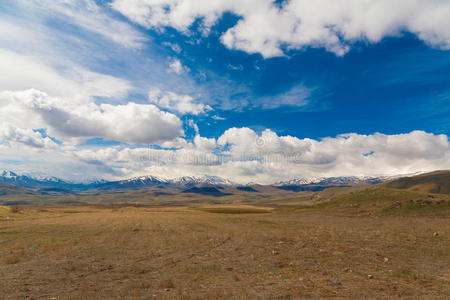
x=142 y=180
x=8 y=174
x=154 y=181
x=199 y=180
x=46 y=183
x=135 y=182
x=298 y=184
x=342 y=180
x=29 y=180
x=299 y=181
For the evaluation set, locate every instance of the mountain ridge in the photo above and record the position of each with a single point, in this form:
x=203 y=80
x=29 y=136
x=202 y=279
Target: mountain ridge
x=296 y=184
x=433 y=182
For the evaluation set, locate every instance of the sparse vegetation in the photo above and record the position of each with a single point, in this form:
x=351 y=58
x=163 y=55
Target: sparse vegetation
x=351 y=243
x=235 y=209
x=167 y=284
x=379 y=200
x=434 y=182
x=188 y=253
x=15 y=209
x=12 y=260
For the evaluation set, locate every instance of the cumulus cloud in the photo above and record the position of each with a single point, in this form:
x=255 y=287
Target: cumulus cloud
x=243 y=155
x=25 y=136
x=69 y=118
x=183 y=104
x=60 y=91
x=266 y=28
x=344 y=154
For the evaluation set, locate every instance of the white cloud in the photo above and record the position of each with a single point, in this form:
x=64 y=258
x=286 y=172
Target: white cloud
x=176 y=143
x=242 y=155
x=331 y=24
x=11 y=134
x=81 y=118
x=343 y=155
x=177 y=67
x=203 y=144
x=13 y=77
x=55 y=161
x=218 y=118
x=19 y=72
x=59 y=63
x=101 y=85
x=194 y=126
x=88 y=15
x=237 y=68
x=296 y=96
x=72 y=48
x=175 y=47
x=56 y=59
x=182 y=104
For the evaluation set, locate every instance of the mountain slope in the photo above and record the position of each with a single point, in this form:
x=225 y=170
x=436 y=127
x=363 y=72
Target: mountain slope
x=209 y=191
x=7 y=189
x=28 y=181
x=338 y=181
x=434 y=182
x=382 y=200
x=53 y=184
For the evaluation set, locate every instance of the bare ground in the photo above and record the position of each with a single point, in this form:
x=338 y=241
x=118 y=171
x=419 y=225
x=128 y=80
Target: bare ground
x=182 y=253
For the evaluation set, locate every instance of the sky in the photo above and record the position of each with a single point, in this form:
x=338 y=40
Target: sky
x=250 y=90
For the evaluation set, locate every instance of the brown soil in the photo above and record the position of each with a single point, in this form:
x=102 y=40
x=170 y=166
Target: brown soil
x=182 y=253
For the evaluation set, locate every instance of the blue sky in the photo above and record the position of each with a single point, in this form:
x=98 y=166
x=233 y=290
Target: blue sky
x=97 y=79
x=395 y=86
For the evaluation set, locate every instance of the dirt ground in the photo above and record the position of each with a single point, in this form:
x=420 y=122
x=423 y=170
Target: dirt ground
x=181 y=253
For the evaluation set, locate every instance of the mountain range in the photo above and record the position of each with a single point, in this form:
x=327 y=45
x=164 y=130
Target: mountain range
x=54 y=184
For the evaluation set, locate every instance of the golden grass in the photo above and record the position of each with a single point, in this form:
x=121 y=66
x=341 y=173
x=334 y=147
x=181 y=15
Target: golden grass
x=234 y=209
x=379 y=200
x=8 y=210
x=167 y=284
x=424 y=187
x=185 y=253
x=4 y=210
x=12 y=260
x=15 y=209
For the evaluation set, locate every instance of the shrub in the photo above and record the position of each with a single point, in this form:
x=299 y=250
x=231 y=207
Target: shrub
x=15 y=209
x=12 y=260
x=167 y=284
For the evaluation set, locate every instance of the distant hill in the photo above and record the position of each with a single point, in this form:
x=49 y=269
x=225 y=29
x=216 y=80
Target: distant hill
x=32 y=182
x=7 y=189
x=152 y=189
x=336 y=181
x=308 y=187
x=247 y=189
x=382 y=200
x=435 y=182
x=53 y=184
x=210 y=191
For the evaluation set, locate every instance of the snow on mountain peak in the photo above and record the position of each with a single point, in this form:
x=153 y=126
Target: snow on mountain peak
x=8 y=174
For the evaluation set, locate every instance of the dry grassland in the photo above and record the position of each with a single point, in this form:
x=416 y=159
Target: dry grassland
x=89 y=252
